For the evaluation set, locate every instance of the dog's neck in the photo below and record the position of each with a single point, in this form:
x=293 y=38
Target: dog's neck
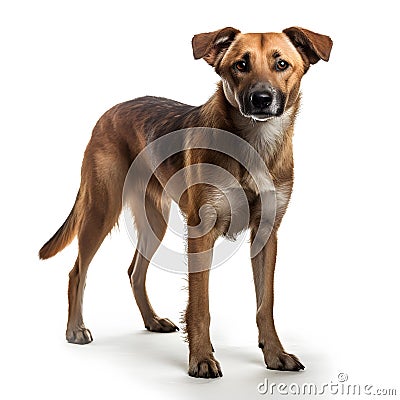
x=266 y=137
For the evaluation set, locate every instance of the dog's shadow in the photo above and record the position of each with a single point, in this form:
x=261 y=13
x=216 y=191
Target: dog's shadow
x=143 y=350
x=160 y=360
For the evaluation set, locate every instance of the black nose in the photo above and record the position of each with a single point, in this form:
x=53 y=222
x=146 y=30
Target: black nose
x=261 y=100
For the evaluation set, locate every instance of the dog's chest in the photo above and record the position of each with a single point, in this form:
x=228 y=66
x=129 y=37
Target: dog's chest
x=267 y=140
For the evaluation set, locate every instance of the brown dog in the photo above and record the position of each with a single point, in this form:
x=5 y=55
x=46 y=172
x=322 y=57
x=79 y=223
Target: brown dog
x=257 y=100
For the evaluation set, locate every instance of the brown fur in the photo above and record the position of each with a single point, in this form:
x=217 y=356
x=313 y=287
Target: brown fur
x=125 y=130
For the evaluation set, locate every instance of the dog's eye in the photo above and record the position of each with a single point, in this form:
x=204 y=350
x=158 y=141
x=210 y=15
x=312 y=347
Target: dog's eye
x=241 y=66
x=281 y=65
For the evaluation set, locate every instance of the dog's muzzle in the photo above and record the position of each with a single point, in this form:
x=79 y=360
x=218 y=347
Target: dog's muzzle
x=263 y=102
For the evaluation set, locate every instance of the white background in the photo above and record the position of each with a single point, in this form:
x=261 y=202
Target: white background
x=62 y=65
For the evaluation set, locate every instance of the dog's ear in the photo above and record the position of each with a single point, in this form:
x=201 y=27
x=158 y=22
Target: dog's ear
x=311 y=46
x=212 y=45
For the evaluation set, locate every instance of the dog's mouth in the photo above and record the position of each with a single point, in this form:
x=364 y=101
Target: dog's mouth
x=261 y=117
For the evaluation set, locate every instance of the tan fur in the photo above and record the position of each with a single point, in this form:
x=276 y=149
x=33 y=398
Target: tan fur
x=126 y=129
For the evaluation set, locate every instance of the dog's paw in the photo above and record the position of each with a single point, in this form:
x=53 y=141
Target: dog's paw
x=206 y=367
x=282 y=361
x=163 y=325
x=79 y=335
x=277 y=359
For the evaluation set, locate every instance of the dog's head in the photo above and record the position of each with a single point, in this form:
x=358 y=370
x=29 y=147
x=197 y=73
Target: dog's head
x=261 y=72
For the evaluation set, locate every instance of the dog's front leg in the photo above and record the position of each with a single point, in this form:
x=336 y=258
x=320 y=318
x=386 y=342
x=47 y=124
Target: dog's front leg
x=263 y=271
x=202 y=363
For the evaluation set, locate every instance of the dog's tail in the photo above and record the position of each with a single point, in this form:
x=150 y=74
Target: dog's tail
x=64 y=236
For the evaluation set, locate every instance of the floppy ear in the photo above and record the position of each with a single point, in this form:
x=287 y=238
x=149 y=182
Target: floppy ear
x=311 y=46
x=212 y=45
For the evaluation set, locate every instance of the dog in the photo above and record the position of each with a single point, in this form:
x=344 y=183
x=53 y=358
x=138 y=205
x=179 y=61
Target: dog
x=257 y=100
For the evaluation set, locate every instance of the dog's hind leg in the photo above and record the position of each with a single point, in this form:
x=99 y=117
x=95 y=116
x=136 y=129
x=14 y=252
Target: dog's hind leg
x=151 y=226
x=101 y=190
x=96 y=224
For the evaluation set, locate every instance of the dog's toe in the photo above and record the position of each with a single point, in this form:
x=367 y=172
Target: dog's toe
x=80 y=335
x=207 y=367
x=283 y=361
x=163 y=325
